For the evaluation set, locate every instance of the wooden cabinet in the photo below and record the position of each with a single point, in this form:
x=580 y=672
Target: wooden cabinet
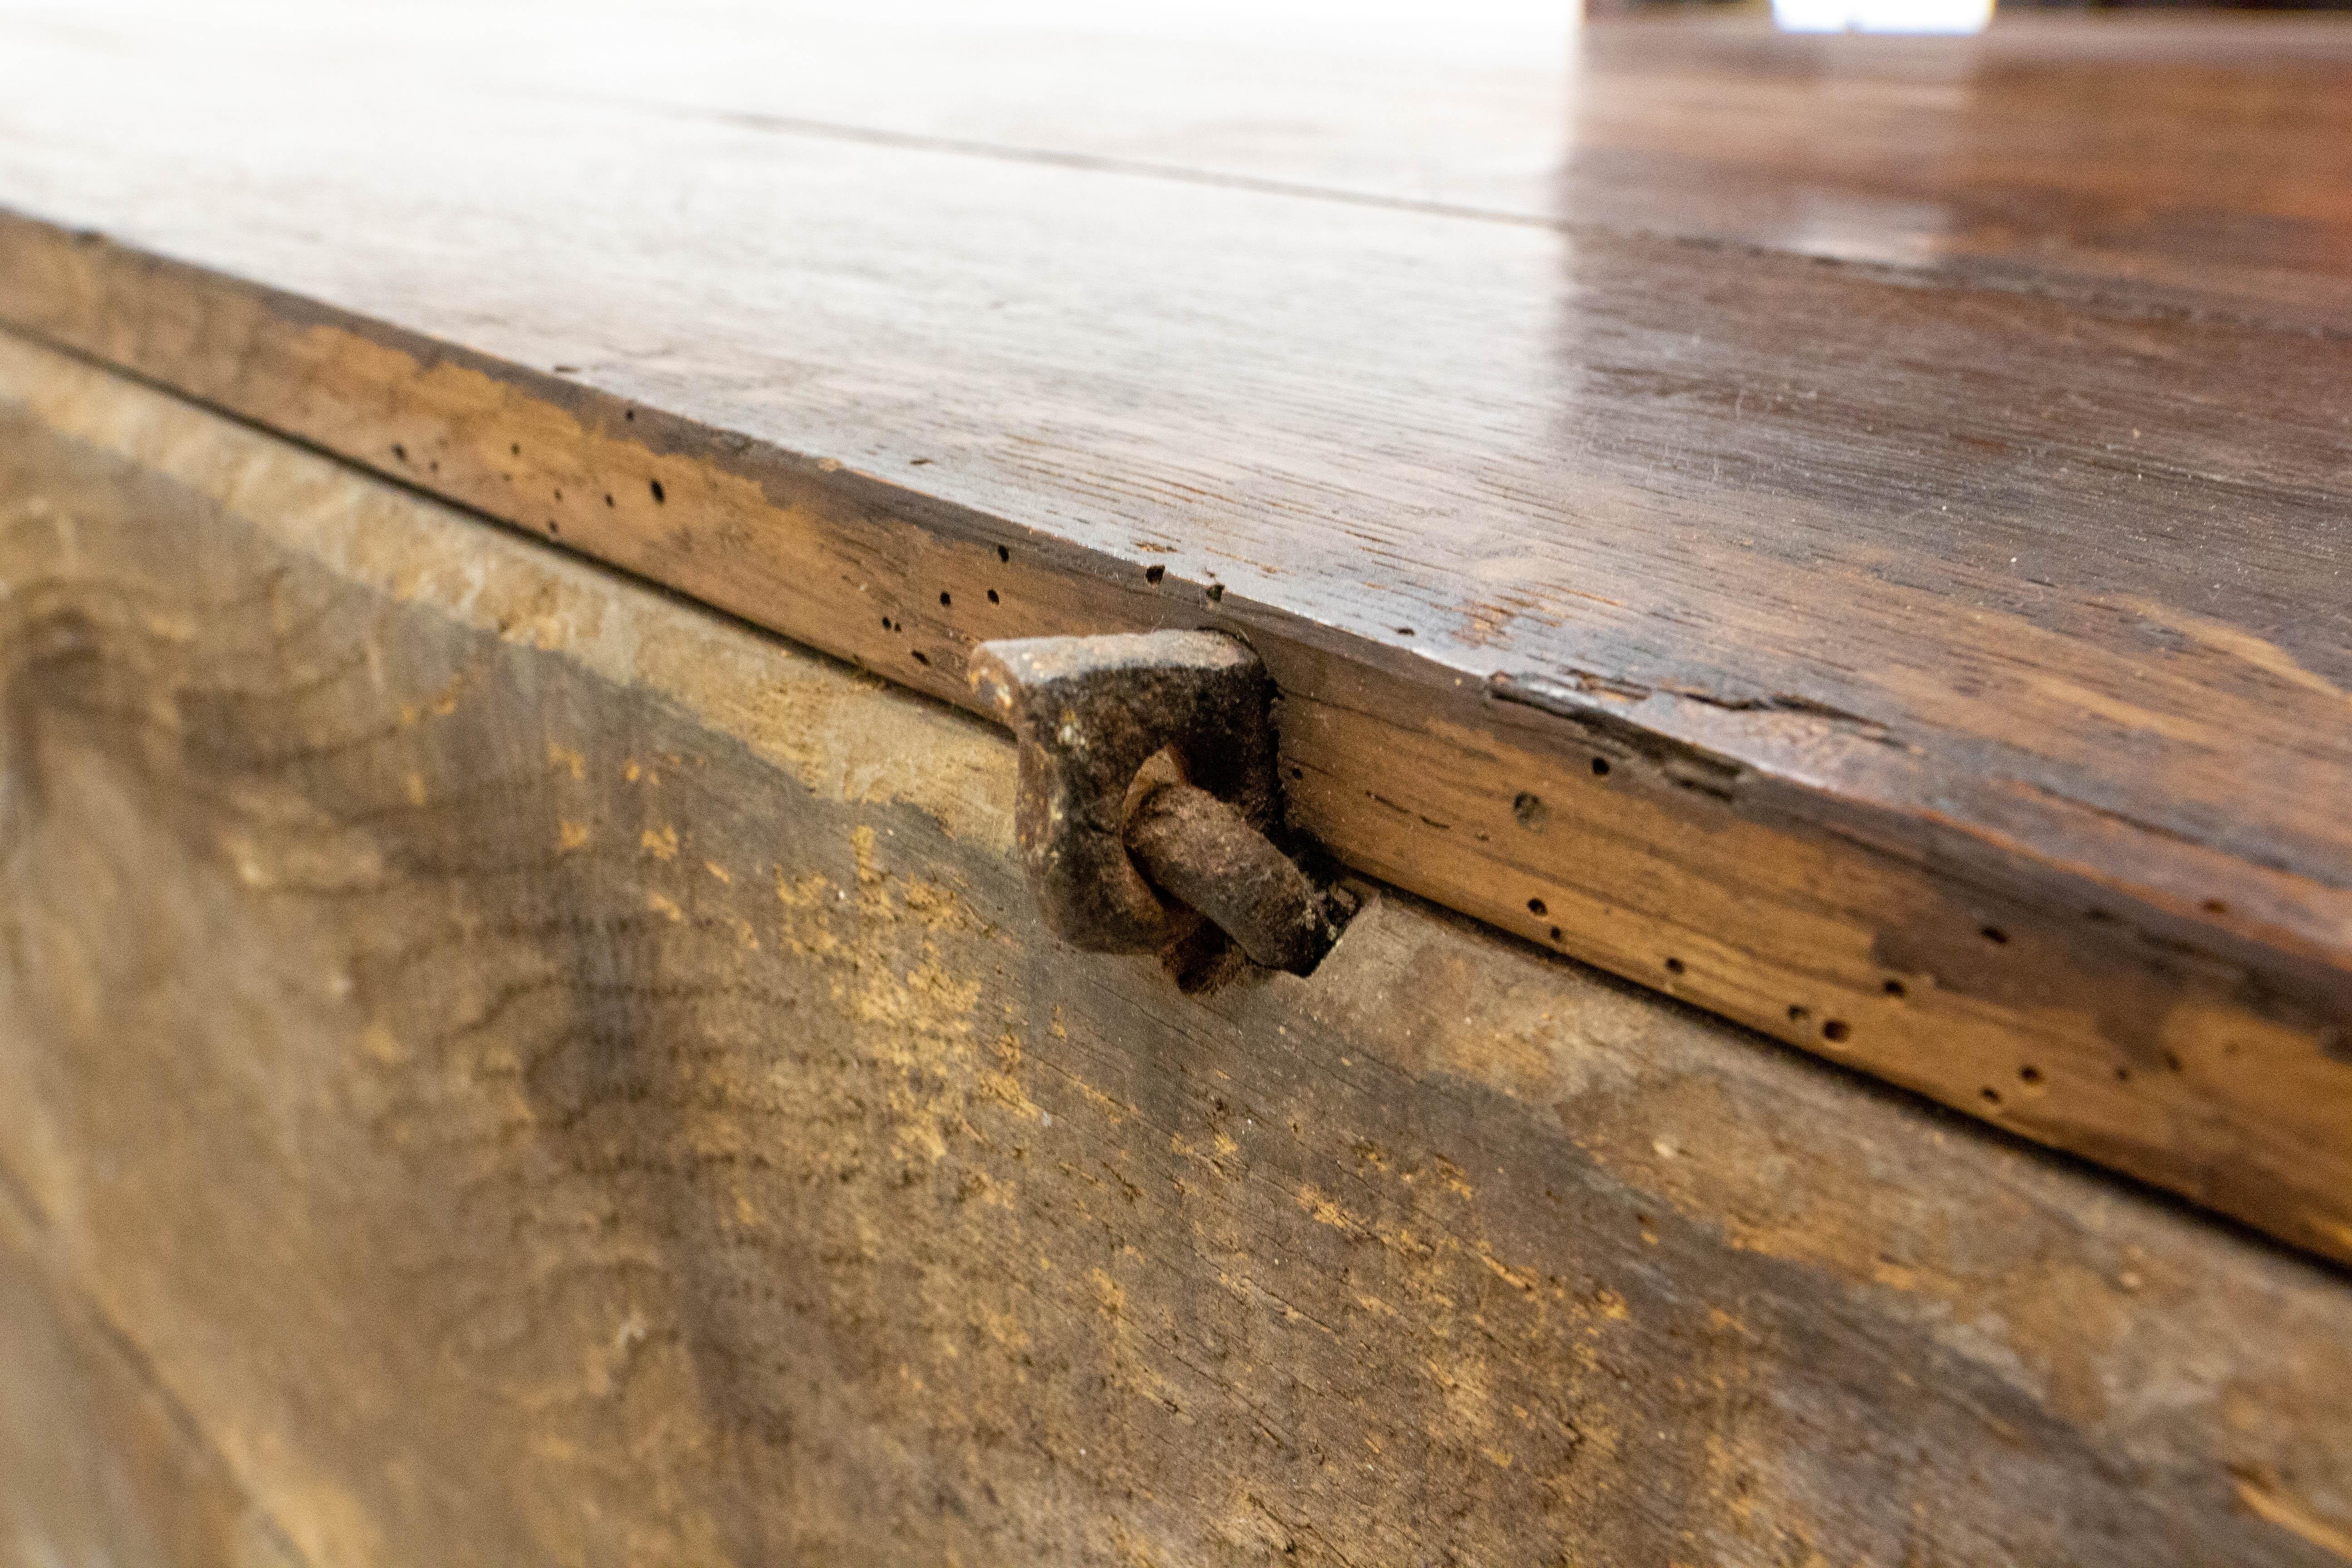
x=504 y=1057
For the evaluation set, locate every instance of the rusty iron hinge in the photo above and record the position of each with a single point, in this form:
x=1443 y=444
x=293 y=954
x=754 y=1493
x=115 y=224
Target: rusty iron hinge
x=1148 y=796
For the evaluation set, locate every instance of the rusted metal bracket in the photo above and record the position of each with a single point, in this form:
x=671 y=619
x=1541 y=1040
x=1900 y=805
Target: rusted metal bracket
x=1148 y=798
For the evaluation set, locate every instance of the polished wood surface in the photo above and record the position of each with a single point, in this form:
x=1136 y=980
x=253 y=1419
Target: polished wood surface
x=499 y=1064
x=2190 y=163
x=1870 y=562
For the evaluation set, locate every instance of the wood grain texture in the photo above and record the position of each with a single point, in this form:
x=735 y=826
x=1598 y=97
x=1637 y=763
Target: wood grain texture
x=2192 y=163
x=2194 y=158
x=98 y=1464
x=1968 y=659
x=538 y=1072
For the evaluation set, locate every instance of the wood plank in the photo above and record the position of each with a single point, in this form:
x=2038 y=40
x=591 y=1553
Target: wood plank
x=544 y=1073
x=1969 y=665
x=2189 y=158
x=2189 y=163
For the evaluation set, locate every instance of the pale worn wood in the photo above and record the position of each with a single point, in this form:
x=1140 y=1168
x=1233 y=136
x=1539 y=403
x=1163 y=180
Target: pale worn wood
x=98 y=1464
x=1968 y=652
x=542 y=1073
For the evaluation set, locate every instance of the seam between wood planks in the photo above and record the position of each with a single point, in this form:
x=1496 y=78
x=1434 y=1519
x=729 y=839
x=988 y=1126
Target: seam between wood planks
x=2113 y=298
x=2101 y=1015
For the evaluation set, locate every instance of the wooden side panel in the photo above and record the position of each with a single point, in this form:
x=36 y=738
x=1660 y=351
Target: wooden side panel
x=540 y=1073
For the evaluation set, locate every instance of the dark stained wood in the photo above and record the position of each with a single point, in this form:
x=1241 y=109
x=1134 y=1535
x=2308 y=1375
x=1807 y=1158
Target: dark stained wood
x=530 y=1071
x=2179 y=163
x=1967 y=645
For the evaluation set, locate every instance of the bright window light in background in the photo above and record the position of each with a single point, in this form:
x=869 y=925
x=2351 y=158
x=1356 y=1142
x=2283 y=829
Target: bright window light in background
x=1882 y=15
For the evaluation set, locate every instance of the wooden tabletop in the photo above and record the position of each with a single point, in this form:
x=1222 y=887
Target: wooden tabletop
x=1850 y=531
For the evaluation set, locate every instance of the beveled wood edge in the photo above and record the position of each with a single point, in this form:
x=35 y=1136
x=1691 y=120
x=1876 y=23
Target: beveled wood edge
x=2117 y=1016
